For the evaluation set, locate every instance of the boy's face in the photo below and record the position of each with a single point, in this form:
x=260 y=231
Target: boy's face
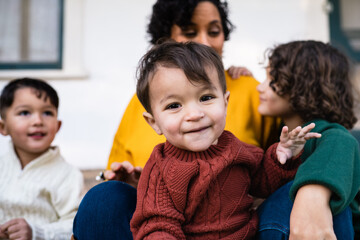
x=191 y=117
x=31 y=123
x=271 y=104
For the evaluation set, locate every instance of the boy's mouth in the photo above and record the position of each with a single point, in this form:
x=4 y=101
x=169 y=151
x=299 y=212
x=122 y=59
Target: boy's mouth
x=37 y=134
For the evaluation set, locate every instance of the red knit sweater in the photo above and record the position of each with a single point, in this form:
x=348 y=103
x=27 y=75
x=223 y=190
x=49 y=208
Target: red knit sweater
x=205 y=195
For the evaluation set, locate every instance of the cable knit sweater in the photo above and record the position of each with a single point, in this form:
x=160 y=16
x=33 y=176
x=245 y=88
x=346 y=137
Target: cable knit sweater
x=47 y=193
x=205 y=195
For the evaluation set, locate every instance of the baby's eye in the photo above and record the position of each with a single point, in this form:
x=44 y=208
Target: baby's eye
x=49 y=113
x=24 y=113
x=206 y=98
x=173 y=106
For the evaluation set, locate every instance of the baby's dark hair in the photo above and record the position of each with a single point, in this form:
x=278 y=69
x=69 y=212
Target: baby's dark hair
x=166 y=13
x=193 y=58
x=315 y=77
x=41 y=89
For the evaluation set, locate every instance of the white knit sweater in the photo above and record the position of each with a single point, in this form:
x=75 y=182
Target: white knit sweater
x=47 y=193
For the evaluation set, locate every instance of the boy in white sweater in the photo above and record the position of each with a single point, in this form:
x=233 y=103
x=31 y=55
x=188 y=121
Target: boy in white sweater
x=39 y=191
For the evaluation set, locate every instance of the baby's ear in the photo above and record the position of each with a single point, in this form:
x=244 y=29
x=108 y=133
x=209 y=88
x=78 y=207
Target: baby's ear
x=3 y=130
x=151 y=121
x=227 y=97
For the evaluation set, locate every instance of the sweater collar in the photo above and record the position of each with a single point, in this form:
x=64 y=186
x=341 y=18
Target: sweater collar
x=51 y=153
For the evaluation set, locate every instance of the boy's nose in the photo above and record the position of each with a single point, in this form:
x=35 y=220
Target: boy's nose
x=37 y=119
x=194 y=114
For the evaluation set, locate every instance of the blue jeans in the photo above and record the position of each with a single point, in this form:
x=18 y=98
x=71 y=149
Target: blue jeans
x=274 y=215
x=105 y=212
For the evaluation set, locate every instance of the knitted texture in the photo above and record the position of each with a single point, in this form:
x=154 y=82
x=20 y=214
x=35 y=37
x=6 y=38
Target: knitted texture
x=46 y=193
x=206 y=195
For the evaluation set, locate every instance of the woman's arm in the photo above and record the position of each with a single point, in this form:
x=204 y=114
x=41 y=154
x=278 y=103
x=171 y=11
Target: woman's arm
x=311 y=217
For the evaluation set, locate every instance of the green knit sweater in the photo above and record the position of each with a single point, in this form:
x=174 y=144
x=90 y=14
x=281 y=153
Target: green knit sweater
x=333 y=161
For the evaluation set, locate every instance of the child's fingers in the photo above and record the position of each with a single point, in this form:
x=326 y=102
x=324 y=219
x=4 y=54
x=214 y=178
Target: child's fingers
x=295 y=132
x=285 y=132
x=282 y=159
x=308 y=128
x=312 y=135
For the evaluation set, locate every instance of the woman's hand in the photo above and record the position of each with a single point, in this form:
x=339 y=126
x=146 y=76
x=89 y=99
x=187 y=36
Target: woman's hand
x=124 y=172
x=236 y=72
x=311 y=217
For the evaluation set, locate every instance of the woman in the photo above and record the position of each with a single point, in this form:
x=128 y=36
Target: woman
x=106 y=210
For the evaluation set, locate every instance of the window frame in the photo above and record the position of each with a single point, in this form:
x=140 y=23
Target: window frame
x=337 y=35
x=42 y=65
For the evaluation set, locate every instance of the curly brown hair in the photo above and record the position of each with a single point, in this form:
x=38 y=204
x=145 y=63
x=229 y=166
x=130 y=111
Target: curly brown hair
x=315 y=77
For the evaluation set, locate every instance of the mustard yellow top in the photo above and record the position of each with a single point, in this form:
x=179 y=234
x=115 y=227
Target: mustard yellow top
x=135 y=139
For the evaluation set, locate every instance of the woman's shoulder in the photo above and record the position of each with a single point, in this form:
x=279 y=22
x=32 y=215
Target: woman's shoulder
x=248 y=81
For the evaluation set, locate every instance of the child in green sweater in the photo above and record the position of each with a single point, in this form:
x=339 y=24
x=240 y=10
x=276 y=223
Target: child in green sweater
x=308 y=81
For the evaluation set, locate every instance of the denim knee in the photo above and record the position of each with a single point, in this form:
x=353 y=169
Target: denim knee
x=105 y=212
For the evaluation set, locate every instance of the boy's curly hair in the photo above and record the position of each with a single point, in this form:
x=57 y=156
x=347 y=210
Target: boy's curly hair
x=166 y=13
x=315 y=77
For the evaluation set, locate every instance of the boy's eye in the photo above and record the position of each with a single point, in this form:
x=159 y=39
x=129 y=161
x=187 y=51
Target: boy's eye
x=206 y=98
x=24 y=113
x=49 y=113
x=173 y=106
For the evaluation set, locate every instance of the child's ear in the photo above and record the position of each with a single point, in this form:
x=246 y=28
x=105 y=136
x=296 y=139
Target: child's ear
x=227 y=97
x=3 y=130
x=59 y=125
x=151 y=121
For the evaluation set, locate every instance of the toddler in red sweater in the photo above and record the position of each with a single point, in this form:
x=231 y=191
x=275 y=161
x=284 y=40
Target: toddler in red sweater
x=197 y=185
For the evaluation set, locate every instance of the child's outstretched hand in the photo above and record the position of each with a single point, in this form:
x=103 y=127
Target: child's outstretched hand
x=292 y=143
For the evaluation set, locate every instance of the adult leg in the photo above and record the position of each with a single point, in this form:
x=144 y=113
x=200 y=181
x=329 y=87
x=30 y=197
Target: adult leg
x=105 y=212
x=274 y=217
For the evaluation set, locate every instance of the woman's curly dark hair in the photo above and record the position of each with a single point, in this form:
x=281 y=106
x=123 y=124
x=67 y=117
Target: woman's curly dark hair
x=166 y=13
x=315 y=77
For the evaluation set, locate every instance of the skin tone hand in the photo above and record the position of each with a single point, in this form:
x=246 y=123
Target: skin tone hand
x=311 y=216
x=124 y=172
x=17 y=229
x=292 y=143
x=236 y=72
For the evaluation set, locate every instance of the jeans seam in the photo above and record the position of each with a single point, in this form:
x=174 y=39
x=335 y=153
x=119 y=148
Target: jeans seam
x=273 y=226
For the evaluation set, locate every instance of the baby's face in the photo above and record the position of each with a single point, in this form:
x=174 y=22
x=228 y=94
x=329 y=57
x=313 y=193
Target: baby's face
x=190 y=115
x=31 y=122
